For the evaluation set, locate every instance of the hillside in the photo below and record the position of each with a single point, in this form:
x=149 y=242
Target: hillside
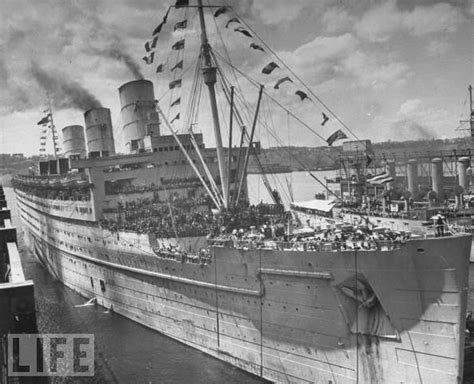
x=301 y=158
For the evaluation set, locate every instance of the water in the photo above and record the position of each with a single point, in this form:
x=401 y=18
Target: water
x=127 y=352
x=303 y=186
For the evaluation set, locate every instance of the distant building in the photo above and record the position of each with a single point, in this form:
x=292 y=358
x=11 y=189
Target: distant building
x=364 y=146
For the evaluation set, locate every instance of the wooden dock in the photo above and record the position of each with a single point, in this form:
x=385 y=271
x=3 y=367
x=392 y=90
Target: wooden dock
x=17 y=302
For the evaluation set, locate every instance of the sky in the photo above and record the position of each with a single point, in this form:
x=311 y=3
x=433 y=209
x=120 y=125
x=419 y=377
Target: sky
x=384 y=70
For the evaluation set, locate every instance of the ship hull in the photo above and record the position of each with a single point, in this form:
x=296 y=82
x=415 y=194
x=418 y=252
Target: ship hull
x=284 y=315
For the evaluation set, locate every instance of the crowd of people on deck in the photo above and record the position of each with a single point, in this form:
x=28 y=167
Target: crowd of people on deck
x=177 y=183
x=187 y=217
x=339 y=237
x=73 y=193
x=179 y=217
x=254 y=226
x=174 y=252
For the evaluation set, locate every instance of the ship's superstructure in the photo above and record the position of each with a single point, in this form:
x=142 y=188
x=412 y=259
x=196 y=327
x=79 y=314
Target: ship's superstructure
x=130 y=231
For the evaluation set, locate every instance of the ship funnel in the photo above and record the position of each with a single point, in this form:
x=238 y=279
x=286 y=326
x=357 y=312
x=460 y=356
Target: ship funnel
x=412 y=176
x=73 y=141
x=463 y=164
x=139 y=116
x=390 y=168
x=99 y=133
x=437 y=176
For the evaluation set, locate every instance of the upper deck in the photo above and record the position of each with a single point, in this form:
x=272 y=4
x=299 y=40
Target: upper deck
x=64 y=196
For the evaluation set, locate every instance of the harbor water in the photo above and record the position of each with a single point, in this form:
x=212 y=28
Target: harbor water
x=126 y=352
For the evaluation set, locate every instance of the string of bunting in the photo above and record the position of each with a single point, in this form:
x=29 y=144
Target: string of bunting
x=272 y=66
x=150 y=47
x=179 y=45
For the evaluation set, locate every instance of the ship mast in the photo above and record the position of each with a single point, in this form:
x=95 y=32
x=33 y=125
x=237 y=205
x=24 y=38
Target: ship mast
x=209 y=75
x=471 y=114
x=53 y=129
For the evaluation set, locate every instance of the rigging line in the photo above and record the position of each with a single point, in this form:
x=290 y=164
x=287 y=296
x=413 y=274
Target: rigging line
x=163 y=95
x=224 y=116
x=225 y=88
x=208 y=173
x=289 y=146
x=287 y=110
x=279 y=141
x=191 y=163
x=226 y=53
x=198 y=103
x=195 y=91
x=276 y=180
x=193 y=113
x=173 y=223
x=245 y=104
x=275 y=136
x=179 y=55
x=264 y=176
x=356 y=277
x=191 y=105
x=190 y=100
x=238 y=102
x=284 y=108
x=329 y=110
x=238 y=98
x=305 y=168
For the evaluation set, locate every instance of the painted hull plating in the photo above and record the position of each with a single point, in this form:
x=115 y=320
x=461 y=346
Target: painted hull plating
x=288 y=316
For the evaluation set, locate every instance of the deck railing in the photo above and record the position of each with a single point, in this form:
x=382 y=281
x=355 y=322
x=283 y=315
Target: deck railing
x=309 y=246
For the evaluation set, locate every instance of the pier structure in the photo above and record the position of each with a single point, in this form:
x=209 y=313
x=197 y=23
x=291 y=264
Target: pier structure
x=17 y=302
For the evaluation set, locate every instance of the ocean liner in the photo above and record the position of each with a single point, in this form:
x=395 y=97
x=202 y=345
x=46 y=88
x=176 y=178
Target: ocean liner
x=164 y=236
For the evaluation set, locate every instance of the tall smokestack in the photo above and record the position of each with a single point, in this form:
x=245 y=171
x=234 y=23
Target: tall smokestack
x=437 y=176
x=139 y=117
x=412 y=175
x=99 y=133
x=74 y=141
x=390 y=168
x=463 y=164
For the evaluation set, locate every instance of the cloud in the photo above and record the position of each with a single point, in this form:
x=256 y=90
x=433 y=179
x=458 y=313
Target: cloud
x=437 y=47
x=337 y=20
x=321 y=57
x=409 y=107
x=65 y=39
x=342 y=57
x=276 y=11
x=414 y=120
x=371 y=71
x=385 y=20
